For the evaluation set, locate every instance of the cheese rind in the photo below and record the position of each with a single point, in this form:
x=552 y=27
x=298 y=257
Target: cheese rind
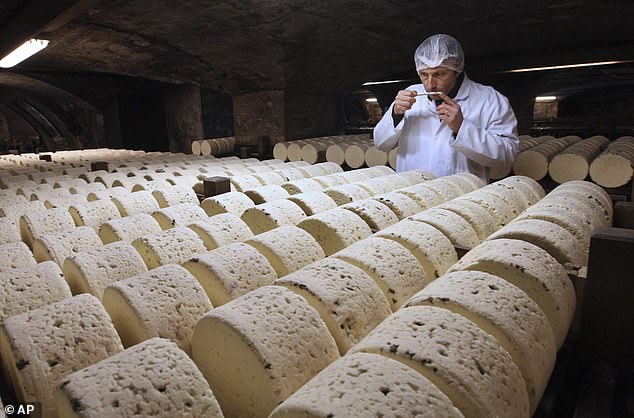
x=478 y=217
x=128 y=228
x=392 y=266
x=93 y=270
x=181 y=214
x=266 y=193
x=347 y=193
x=172 y=246
x=463 y=361
x=401 y=204
x=136 y=382
x=255 y=351
x=504 y=311
x=164 y=302
x=361 y=385
x=336 y=229
x=221 y=229
x=231 y=271
x=137 y=202
x=39 y=223
x=377 y=215
x=453 y=226
x=42 y=346
x=93 y=214
x=270 y=215
x=348 y=300
x=313 y=202
x=175 y=195
x=230 y=202
x=56 y=247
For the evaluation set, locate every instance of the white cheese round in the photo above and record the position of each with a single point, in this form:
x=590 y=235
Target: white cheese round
x=230 y=202
x=270 y=215
x=128 y=228
x=57 y=246
x=221 y=229
x=336 y=229
x=172 y=246
x=137 y=202
x=313 y=202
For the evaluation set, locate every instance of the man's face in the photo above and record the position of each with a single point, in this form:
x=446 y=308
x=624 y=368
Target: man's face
x=438 y=79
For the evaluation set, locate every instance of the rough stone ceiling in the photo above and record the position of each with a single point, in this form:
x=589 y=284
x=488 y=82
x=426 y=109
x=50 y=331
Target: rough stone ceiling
x=316 y=47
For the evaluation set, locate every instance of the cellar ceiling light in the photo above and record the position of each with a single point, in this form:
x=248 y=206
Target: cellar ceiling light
x=559 y=67
x=371 y=83
x=23 y=52
x=545 y=98
x=371 y=99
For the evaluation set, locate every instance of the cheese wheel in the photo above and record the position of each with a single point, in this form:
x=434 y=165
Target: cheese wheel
x=107 y=194
x=280 y=151
x=569 y=166
x=313 y=202
x=128 y=228
x=453 y=226
x=231 y=271
x=93 y=270
x=63 y=202
x=108 y=178
x=358 y=175
x=172 y=246
x=551 y=237
x=329 y=180
x=181 y=214
x=377 y=171
x=94 y=214
x=510 y=193
x=396 y=181
x=376 y=185
x=426 y=197
x=336 y=229
x=401 y=204
x=330 y=167
x=104 y=389
x=612 y=170
x=9 y=231
x=392 y=266
x=164 y=302
x=14 y=212
x=39 y=223
x=255 y=351
x=294 y=150
x=302 y=185
x=348 y=300
x=42 y=346
x=56 y=247
x=289 y=173
x=478 y=217
x=463 y=361
x=361 y=385
x=431 y=248
x=271 y=215
x=505 y=312
x=530 y=163
x=274 y=162
x=375 y=156
x=231 y=202
x=31 y=287
x=242 y=183
x=269 y=177
x=499 y=208
x=355 y=155
x=313 y=170
x=266 y=193
x=533 y=270
x=87 y=188
x=446 y=189
x=171 y=196
x=336 y=153
x=598 y=194
x=67 y=184
x=347 y=193
x=222 y=229
x=582 y=201
x=288 y=248
x=196 y=147
x=416 y=176
x=377 y=215
x=137 y=202
x=577 y=225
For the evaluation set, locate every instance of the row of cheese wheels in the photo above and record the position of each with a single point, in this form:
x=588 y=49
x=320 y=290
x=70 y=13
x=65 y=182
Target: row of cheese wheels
x=609 y=164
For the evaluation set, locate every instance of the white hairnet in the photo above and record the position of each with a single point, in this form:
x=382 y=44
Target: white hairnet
x=439 y=51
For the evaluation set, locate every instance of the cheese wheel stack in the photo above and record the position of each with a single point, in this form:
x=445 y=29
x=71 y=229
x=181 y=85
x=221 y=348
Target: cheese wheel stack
x=348 y=300
x=313 y=202
x=531 y=269
x=401 y=204
x=128 y=228
x=534 y=162
x=94 y=270
x=137 y=202
x=231 y=202
x=377 y=215
x=42 y=346
x=196 y=147
x=172 y=246
x=280 y=151
x=361 y=385
x=478 y=217
x=231 y=271
x=175 y=195
x=94 y=214
x=463 y=361
x=591 y=196
x=268 y=193
x=254 y=355
x=38 y=223
x=392 y=266
x=452 y=225
x=355 y=154
x=503 y=311
x=336 y=229
x=181 y=214
x=270 y=215
x=31 y=287
x=222 y=229
x=613 y=167
x=164 y=302
x=375 y=156
x=573 y=163
x=425 y=196
x=288 y=248
x=104 y=389
x=432 y=249
x=57 y=246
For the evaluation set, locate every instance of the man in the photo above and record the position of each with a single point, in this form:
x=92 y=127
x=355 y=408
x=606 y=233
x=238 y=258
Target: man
x=463 y=127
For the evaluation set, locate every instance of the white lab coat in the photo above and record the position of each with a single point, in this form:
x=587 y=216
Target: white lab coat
x=487 y=137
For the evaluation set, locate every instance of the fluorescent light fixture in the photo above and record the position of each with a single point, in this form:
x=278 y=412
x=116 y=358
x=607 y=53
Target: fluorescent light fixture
x=371 y=99
x=559 y=67
x=371 y=83
x=545 y=98
x=22 y=52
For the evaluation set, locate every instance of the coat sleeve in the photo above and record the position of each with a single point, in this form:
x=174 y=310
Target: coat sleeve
x=492 y=140
x=386 y=135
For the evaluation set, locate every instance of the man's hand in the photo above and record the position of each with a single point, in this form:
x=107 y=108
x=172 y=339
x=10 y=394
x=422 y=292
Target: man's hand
x=404 y=101
x=450 y=112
